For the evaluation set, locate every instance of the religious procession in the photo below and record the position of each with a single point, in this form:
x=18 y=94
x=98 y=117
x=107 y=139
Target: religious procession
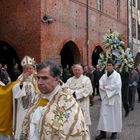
x=69 y=69
x=46 y=102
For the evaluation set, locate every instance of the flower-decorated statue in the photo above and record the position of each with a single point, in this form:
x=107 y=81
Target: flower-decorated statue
x=116 y=51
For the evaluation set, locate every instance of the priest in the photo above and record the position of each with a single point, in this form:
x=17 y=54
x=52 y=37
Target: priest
x=23 y=93
x=111 y=107
x=55 y=113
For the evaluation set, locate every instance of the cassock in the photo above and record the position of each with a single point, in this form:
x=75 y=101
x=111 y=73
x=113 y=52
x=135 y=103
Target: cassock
x=111 y=106
x=53 y=117
x=83 y=89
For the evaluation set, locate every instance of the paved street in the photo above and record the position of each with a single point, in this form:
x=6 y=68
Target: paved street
x=131 y=124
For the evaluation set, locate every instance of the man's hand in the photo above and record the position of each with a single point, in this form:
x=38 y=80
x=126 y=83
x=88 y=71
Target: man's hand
x=25 y=76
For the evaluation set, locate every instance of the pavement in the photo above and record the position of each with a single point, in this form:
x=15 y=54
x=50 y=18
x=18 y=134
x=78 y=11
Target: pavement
x=131 y=124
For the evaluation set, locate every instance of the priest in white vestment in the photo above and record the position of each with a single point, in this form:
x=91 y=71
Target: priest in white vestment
x=82 y=87
x=23 y=93
x=111 y=107
x=55 y=114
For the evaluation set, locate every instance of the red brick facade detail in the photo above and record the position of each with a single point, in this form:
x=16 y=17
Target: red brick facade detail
x=21 y=26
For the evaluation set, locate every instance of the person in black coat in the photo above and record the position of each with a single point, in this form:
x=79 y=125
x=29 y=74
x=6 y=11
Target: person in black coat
x=138 y=86
x=15 y=72
x=133 y=82
x=97 y=75
x=125 y=91
x=4 y=76
x=90 y=74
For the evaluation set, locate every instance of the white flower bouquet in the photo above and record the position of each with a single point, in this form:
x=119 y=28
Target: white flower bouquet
x=115 y=50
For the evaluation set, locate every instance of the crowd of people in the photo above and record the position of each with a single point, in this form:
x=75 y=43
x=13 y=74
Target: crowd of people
x=51 y=103
x=8 y=76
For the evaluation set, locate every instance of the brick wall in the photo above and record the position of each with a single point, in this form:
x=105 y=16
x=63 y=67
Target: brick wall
x=70 y=24
x=23 y=28
x=20 y=26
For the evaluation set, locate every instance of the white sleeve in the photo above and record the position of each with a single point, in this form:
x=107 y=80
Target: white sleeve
x=17 y=92
x=101 y=87
x=85 y=91
x=114 y=88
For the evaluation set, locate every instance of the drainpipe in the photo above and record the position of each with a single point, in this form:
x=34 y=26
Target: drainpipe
x=131 y=26
x=87 y=32
x=128 y=31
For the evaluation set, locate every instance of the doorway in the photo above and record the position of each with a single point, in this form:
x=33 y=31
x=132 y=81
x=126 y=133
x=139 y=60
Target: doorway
x=69 y=54
x=95 y=55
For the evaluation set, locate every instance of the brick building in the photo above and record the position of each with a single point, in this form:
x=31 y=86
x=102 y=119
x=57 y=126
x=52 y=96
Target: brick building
x=134 y=28
x=65 y=31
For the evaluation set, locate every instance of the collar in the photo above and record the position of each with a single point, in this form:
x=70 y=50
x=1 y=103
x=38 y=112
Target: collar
x=79 y=77
x=50 y=95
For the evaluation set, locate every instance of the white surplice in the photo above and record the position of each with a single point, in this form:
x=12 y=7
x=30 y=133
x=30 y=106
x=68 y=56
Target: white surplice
x=83 y=89
x=111 y=106
x=19 y=94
